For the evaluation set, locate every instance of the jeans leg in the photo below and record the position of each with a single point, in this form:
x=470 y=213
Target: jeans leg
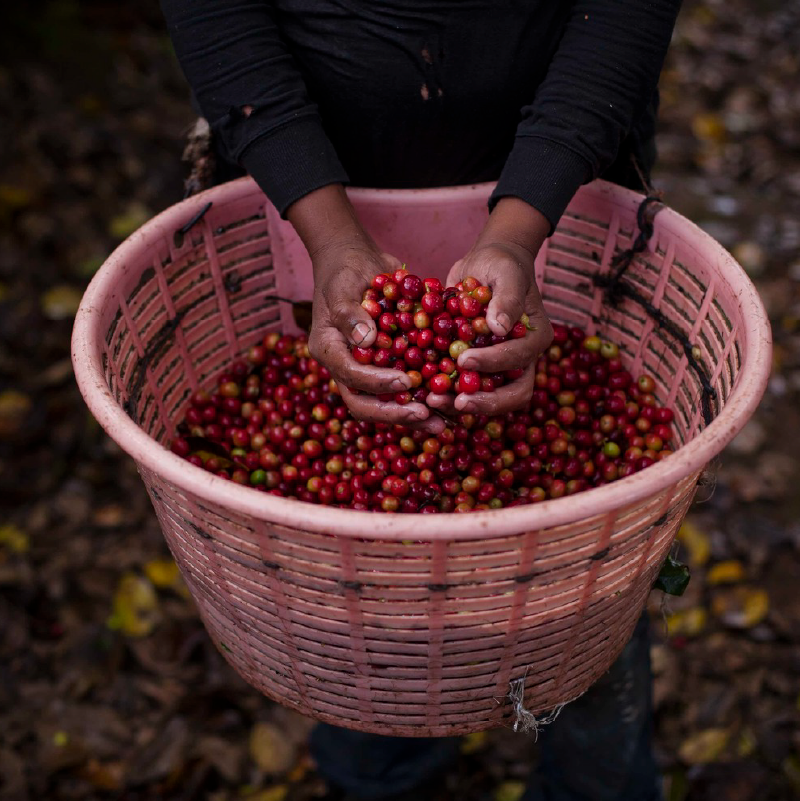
x=600 y=746
x=373 y=766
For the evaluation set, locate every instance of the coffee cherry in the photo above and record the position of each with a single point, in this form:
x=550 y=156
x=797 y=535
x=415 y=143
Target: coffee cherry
x=411 y=287
x=440 y=384
x=285 y=427
x=468 y=382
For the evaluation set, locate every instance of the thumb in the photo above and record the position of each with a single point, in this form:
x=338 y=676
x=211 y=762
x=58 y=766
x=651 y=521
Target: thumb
x=348 y=315
x=509 y=289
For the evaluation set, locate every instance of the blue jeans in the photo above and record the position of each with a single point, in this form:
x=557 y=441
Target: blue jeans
x=597 y=749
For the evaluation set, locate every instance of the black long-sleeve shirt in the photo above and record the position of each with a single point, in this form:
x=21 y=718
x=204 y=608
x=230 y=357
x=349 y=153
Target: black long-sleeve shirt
x=537 y=94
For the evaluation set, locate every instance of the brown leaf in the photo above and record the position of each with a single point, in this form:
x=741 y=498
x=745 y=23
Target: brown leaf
x=13 y=785
x=164 y=755
x=103 y=776
x=14 y=408
x=225 y=755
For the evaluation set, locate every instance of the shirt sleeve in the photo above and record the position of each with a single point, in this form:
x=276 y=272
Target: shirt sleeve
x=603 y=74
x=251 y=92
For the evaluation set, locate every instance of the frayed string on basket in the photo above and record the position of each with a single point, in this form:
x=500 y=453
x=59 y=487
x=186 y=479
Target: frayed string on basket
x=615 y=290
x=524 y=720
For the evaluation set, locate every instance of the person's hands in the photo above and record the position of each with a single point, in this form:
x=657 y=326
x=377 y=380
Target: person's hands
x=345 y=260
x=502 y=259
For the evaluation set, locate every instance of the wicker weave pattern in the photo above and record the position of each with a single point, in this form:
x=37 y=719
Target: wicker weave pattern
x=411 y=626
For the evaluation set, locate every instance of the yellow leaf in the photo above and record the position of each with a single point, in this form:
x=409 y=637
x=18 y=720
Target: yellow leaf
x=14 y=539
x=509 y=791
x=276 y=793
x=703 y=15
x=696 y=542
x=14 y=408
x=728 y=572
x=135 y=612
x=709 y=128
x=298 y=772
x=687 y=623
x=60 y=739
x=13 y=197
x=791 y=769
x=746 y=744
x=474 y=742
x=741 y=607
x=270 y=749
x=60 y=302
x=131 y=219
x=704 y=746
x=163 y=573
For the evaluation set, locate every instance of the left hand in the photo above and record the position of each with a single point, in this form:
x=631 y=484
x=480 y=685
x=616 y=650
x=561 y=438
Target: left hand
x=502 y=259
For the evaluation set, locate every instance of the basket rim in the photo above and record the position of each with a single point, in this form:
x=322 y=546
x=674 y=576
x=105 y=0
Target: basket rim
x=690 y=458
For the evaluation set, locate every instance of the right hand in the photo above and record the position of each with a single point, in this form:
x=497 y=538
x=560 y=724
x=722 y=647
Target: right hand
x=344 y=265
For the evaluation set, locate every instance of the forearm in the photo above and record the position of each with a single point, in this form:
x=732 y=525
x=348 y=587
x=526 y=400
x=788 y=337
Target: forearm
x=325 y=218
x=602 y=76
x=515 y=223
x=252 y=94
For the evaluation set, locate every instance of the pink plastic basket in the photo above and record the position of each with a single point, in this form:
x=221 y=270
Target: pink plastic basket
x=412 y=624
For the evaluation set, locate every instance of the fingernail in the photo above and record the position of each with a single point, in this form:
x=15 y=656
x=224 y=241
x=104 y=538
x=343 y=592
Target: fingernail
x=360 y=333
x=399 y=385
x=466 y=364
x=504 y=320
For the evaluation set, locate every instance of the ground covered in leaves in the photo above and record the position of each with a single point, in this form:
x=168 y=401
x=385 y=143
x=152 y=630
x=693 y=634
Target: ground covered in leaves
x=99 y=703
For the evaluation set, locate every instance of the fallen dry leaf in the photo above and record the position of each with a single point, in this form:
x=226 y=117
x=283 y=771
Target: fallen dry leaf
x=728 y=572
x=14 y=539
x=687 y=623
x=474 y=742
x=61 y=302
x=163 y=573
x=270 y=749
x=740 y=607
x=275 y=793
x=696 y=542
x=135 y=610
x=704 y=746
x=509 y=791
x=14 y=408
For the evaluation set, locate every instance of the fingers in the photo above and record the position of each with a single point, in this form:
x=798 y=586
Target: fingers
x=509 y=286
x=508 y=398
x=348 y=315
x=327 y=346
x=391 y=263
x=411 y=415
x=442 y=403
x=514 y=353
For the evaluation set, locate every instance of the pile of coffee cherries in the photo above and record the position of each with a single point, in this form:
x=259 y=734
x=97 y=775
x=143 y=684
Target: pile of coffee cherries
x=423 y=328
x=276 y=422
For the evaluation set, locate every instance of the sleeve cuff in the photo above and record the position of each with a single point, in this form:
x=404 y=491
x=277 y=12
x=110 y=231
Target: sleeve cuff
x=544 y=174
x=292 y=161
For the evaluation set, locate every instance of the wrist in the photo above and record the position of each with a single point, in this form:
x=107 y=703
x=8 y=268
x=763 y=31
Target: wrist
x=515 y=223
x=326 y=219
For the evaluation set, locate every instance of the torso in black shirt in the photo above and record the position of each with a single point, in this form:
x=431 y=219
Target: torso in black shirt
x=421 y=93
